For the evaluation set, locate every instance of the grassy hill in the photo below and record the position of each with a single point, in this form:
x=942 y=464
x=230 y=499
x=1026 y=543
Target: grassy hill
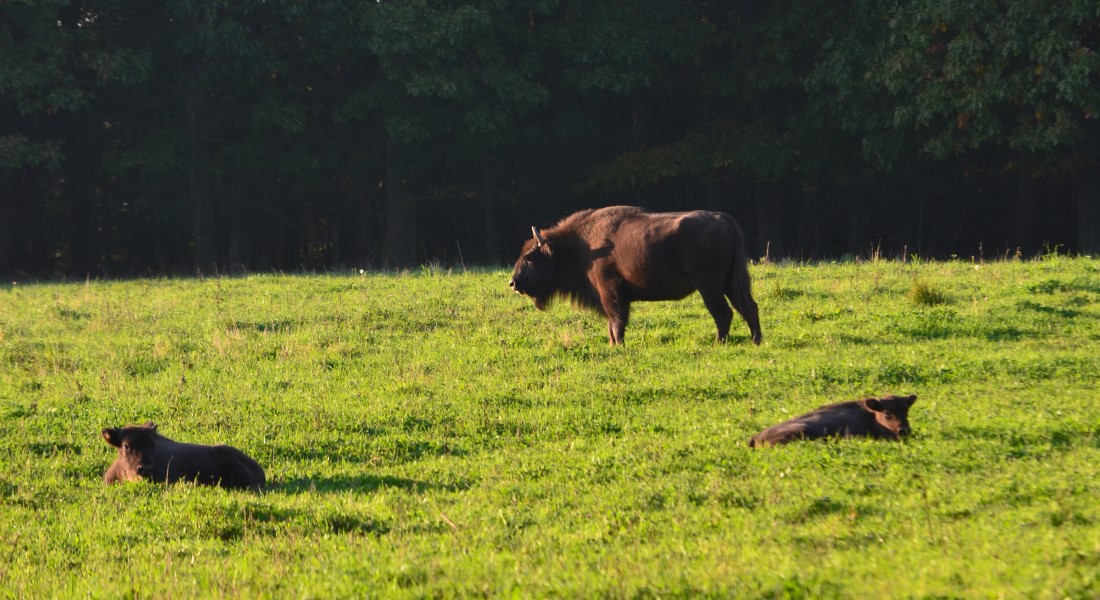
x=432 y=434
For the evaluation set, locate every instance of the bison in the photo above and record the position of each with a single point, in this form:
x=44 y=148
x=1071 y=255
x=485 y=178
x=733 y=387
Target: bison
x=886 y=418
x=606 y=258
x=145 y=454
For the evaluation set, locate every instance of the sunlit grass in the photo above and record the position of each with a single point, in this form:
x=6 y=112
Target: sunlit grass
x=432 y=434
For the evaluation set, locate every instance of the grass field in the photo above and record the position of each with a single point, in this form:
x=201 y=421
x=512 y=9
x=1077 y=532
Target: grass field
x=432 y=434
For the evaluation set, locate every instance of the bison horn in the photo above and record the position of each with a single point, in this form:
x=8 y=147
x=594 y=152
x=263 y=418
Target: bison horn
x=538 y=237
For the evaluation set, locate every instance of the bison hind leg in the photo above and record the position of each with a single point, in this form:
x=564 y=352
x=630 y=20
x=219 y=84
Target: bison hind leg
x=740 y=296
x=716 y=304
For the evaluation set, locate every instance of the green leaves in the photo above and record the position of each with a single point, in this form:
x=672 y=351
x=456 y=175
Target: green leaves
x=757 y=150
x=1020 y=75
x=524 y=109
x=18 y=152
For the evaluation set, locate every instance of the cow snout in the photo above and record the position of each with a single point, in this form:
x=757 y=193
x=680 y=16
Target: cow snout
x=144 y=470
x=512 y=283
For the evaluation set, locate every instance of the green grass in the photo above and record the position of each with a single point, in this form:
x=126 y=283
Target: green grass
x=432 y=434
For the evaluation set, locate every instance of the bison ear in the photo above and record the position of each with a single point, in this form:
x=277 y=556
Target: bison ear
x=111 y=436
x=873 y=404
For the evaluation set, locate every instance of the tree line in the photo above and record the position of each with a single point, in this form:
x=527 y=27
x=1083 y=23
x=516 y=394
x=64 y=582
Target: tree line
x=142 y=136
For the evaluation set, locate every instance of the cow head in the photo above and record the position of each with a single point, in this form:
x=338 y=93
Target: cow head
x=136 y=445
x=534 y=272
x=892 y=412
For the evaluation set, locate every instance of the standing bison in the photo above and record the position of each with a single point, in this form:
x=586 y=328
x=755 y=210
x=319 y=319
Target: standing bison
x=145 y=454
x=609 y=257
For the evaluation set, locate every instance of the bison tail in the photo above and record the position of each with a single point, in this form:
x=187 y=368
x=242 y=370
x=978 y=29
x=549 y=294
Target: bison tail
x=739 y=285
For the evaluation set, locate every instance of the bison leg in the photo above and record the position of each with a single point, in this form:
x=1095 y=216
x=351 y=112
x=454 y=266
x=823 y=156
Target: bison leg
x=616 y=326
x=618 y=313
x=739 y=291
x=716 y=304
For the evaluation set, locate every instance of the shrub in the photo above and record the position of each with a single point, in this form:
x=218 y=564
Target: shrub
x=925 y=294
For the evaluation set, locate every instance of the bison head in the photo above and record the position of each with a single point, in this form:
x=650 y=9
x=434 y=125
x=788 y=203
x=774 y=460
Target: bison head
x=892 y=412
x=136 y=445
x=534 y=272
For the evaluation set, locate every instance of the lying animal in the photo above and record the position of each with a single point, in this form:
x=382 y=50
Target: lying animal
x=605 y=259
x=145 y=454
x=886 y=418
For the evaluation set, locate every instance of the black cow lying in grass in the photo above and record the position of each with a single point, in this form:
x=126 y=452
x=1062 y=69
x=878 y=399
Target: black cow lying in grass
x=145 y=454
x=886 y=418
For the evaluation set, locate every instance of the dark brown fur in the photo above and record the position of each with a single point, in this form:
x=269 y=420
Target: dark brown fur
x=886 y=418
x=145 y=454
x=606 y=258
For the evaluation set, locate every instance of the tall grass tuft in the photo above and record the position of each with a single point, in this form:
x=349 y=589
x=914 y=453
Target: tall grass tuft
x=926 y=294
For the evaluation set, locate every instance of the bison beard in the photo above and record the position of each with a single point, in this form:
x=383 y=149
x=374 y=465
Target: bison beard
x=606 y=258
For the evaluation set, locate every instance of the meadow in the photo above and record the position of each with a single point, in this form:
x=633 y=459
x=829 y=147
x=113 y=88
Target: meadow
x=430 y=433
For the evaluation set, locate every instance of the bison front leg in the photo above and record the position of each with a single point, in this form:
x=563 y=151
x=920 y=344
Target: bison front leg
x=618 y=313
x=616 y=328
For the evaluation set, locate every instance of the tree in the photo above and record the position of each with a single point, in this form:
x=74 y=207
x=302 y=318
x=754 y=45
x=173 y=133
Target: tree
x=56 y=60
x=1015 y=84
x=144 y=136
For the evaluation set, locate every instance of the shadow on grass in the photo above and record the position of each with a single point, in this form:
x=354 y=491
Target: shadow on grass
x=359 y=483
x=858 y=340
x=47 y=449
x=271 y=521
x=1020 y=444
x=272 y=326
x=1051 y=286
x=395 y=449
x=1065 y=313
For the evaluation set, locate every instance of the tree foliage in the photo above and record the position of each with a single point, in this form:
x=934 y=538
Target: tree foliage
x=154 y=136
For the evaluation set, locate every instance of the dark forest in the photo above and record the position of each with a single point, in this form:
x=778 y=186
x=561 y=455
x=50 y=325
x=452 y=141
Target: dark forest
x=141 y=137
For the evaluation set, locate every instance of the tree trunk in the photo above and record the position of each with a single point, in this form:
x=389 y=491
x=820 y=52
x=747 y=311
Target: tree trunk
x=1088 y=212
x=855 y=204
x=1088 y=193
x=204 y=215
x=769 y=220
x=16 y=192
x=494 y=197
x=21 y=223
x=80 y=167
x=399 y=235
x=809 y=226
x=1022 y=235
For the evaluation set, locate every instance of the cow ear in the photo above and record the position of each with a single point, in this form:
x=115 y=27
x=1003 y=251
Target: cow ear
x=151 y=425
x=873 y=404
x=912 y=399
x=111 y=436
